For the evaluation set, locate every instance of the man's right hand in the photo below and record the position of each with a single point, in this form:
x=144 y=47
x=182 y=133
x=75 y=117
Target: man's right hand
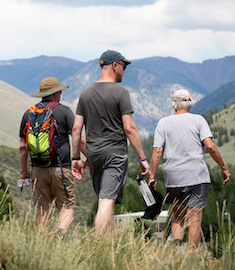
x=226 y=175
x=77 y=169
x=145 y=168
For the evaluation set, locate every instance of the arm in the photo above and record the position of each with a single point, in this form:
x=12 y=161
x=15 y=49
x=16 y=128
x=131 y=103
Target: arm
x=77 y=166
x=215 y=154
x=23 y=159
x=83 y=150
x=155 y=161
x=83 y=145
x=132 y=134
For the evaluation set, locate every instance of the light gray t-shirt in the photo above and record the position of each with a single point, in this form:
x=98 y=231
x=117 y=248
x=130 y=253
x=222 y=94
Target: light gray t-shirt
x=181 y=136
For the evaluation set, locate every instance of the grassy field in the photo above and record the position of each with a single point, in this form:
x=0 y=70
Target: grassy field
x=24 y=246
x=9 y=169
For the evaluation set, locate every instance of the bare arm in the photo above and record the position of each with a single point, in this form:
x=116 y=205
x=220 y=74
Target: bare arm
x=77 y=166
x=155 y=161
x=215 y=154
x=23 y=159
x=83 y=150
x=132 y=134
x=83 y=145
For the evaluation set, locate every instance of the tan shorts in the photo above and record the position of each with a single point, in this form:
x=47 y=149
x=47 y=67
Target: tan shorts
x=48 y=187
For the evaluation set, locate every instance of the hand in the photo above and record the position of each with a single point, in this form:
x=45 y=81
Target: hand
x=151 y=180
x=25 y=175
x=77 y=169
x=86 y=164
x=226 y=175
x=145 y=168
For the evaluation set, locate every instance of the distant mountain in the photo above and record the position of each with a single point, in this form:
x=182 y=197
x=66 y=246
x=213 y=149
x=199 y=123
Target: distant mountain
x=205 y=77
x=26 y=74
x=224 y=95
x=14 y=103
x=150 y=81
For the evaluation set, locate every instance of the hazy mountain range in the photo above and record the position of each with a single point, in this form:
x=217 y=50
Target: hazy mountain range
x=150 y=81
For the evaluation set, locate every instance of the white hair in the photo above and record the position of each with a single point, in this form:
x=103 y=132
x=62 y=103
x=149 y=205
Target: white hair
x=182 y=104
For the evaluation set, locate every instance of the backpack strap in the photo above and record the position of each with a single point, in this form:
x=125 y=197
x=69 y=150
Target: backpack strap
x=52 y=104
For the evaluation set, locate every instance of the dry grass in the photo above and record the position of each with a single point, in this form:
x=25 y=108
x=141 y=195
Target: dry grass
x=24 y=246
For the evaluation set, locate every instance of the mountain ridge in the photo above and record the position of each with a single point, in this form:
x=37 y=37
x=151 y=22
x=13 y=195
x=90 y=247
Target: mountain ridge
x=208 y=75
x=150 y=81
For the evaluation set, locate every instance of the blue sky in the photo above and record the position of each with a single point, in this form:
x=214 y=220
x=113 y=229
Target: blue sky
x=190 y=30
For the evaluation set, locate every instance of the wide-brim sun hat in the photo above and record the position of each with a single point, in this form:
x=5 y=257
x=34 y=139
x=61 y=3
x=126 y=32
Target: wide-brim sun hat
x=49 y=86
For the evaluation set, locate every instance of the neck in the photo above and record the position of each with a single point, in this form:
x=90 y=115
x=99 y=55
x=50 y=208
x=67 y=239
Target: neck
x=107 y=75
x=54 y=97
x=181 y=111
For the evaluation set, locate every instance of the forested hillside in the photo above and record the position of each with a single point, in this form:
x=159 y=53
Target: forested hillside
x=225 y=94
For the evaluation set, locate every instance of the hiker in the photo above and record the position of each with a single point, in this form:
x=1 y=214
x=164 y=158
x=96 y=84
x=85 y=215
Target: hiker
x=181 y=139
x=106 y=111
x=47 y=179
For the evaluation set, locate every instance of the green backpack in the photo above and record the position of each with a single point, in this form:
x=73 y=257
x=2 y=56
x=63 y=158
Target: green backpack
x=40 y=134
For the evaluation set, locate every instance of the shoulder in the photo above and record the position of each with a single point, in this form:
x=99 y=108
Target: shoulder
x=120 y=87
x=62 y=109
x=166 y=119
x=88 y=88
x=86 y=92
x=196 y=117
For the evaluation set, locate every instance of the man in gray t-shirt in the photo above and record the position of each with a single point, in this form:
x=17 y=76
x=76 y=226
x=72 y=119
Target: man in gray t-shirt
x=180 y=139
x=106 y=111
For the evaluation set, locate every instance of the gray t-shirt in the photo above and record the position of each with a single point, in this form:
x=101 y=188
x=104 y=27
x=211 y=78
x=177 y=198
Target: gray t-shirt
x=102 y=105
x=181 y=136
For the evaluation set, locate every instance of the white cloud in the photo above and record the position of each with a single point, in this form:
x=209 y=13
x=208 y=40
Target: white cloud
x=191 y=30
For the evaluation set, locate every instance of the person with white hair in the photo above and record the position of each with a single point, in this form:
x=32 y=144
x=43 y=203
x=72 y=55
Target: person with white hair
x=180 y=139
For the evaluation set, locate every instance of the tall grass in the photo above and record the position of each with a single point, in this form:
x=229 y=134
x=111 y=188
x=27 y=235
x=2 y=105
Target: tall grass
x=24 y=246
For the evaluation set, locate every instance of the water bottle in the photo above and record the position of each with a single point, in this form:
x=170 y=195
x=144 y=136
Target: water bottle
x=145 y=191
x=24 y=182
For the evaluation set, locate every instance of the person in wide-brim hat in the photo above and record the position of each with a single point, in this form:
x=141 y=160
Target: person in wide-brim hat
x=49 y=86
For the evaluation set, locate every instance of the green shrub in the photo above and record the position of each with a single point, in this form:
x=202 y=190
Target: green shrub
x=6 y=204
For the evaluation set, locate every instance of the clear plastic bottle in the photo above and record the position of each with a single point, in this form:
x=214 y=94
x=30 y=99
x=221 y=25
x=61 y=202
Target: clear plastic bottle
x=24 y=182
x=145 y=191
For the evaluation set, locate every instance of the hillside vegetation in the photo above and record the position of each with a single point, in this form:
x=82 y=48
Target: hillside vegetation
x=222 y=124
x=224 y=95
x=219 y=120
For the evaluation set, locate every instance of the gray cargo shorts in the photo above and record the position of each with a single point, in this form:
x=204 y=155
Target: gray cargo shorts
x=109 y=173
x=190 y=196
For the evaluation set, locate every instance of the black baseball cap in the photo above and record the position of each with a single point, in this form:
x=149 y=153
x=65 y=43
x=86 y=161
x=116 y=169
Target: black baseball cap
x=109 y=57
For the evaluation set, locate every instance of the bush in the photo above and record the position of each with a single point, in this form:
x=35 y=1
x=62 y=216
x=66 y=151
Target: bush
x=6 y=205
